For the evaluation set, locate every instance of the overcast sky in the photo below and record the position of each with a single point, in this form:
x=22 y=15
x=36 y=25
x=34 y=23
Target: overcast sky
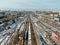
x=30 y=4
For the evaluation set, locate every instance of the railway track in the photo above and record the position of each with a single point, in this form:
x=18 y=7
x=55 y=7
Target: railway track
x=33 y=38
x=25 y=37
x=44 y=26
x=32 y=33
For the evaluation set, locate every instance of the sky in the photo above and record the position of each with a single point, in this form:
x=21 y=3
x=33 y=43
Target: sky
x=30 y=4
